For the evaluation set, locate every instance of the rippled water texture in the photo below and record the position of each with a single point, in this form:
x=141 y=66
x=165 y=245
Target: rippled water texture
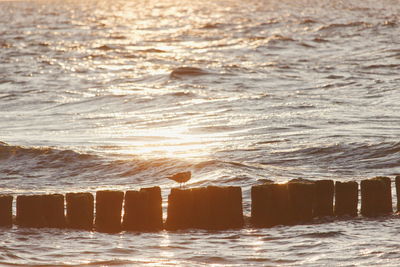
x=121 y=94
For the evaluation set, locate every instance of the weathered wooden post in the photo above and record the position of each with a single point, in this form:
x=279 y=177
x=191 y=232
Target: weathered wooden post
x=135 y=207
x=108 y=211
x=376 y=196
x=301 y=199
x=180 y=209
x=397 y=180
x=80 y=210
x=324 y=191
x=6 y=210
x=201 y=208
x=387 y=205
x=154 y=204
x=30 y=211
x=270 y=205
x=143 y=210
x=213 y=207
x=346 y=198
x=53 y=210
x=226 y=207
x=235 y=207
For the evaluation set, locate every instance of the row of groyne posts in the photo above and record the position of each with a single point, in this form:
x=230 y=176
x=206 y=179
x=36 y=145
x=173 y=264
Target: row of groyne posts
x=211 y=208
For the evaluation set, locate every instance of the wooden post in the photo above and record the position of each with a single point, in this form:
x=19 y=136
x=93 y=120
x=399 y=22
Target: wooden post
x=53 y=209
x=397 y=180
x=6 y=210
x=201 y=208
x=134 y=211
x=226 y=207
x=301 y=198
x=30 y=211
x=80 y=210
x=346 y=198
x=143 y=210
x=387 y=205
x=376 y=196
x=180 y=209
x=213 y=207
x=324 y=191
x=108 y=211
x=235 y=207
x=154 y=204
x=270 y=205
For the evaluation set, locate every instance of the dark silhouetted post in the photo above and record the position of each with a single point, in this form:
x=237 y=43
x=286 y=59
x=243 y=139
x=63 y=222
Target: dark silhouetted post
x=226 y=207
x=324 y=191
x=387 y=205
x=53 y=209
x=6 y=210
x=397 y=180
x=154 y=204
x=235 y=207
x=135 y=211
x=143 y=210
x=376 y=197
x=371 y=191
x=80 y=210
x=346 y=198
x=30 y=211
x=206 y=208
x=201 y=207
x=108 y=211
x=301 y=198
x=270 y=205
x=180 y=209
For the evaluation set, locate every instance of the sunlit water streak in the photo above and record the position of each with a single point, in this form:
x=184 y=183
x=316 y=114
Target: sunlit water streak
x=120 y=95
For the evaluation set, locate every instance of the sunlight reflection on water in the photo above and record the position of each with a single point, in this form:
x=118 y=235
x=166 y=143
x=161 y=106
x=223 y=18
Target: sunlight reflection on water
x=99 y=95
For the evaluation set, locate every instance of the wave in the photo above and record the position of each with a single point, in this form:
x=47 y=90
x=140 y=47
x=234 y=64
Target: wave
x=8 y=152
x=70 y=166
x=4 y=44
x=308 y=21
x=320 y=40
x=360 y=150
x=109 y=47
x=279 y=38
x=355 y=156
x=151 y=50
x=323 y=234
x=182 y=94
x=28 y=169
x=382 y=66
x=209 y=26
x=188 y=71
x=20 y=167
x=335 y=26
x=390 y=23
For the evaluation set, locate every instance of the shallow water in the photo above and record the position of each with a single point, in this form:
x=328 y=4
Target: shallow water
x=120 y=95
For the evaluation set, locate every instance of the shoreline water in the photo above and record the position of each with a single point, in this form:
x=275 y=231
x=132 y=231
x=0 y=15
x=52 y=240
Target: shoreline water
x=96 y=96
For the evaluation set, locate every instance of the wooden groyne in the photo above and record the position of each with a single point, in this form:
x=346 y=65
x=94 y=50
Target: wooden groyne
x=211 y=208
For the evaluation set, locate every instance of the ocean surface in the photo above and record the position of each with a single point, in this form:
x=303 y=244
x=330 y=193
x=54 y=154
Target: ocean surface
x=121 y=94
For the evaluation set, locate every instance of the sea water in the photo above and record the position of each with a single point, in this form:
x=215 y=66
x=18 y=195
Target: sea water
x=122 y=94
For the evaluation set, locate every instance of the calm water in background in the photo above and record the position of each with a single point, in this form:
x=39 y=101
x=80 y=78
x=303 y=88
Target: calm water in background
x=121 y=94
